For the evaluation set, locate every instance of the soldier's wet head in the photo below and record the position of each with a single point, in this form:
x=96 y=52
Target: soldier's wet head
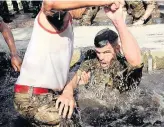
x=106 y=46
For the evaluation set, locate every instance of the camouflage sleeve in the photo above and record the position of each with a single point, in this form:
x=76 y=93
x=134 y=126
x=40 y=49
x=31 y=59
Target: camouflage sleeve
x=129 y=78
x=85 y=66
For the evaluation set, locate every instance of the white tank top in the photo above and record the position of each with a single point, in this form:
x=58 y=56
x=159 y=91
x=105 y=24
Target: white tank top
x=47 y=59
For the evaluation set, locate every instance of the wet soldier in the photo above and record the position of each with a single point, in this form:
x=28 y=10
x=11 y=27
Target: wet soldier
x=6 y=32
x=142 y=11
x=110 y=68
x=85 y=16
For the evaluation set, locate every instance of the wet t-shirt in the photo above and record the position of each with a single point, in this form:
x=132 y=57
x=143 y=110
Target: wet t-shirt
x=47 y=58
x=119 y=75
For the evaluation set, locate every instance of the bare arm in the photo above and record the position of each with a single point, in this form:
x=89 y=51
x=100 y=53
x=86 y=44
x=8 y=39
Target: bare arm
x=130 y=47
x=8 y=36
x=72 y=84
x=129 y=44
x=67 y=99
x=49 y=6
x=73 y=4
x=80 y=78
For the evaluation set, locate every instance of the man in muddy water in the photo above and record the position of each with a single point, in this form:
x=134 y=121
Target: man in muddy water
x=142 y=11
x=42 y=93
x=110 y=69
x=7 y=34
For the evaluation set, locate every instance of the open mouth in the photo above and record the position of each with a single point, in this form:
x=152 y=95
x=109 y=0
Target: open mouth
x=103 y=64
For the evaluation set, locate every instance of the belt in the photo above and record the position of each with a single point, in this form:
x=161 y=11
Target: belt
x=27 y=89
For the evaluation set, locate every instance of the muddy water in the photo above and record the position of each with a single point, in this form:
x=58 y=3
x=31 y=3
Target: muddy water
x=142 y=107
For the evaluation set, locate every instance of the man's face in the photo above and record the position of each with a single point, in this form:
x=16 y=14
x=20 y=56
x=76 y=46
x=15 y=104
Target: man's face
x=106 y=54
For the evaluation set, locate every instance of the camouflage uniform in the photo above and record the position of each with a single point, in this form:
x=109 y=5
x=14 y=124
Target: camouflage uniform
x=40 y=109
x=89 y=15
x=84 y=16
x=119 y=75
x=137 y=9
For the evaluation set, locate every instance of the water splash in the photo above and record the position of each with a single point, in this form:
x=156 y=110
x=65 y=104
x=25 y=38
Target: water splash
x=98 y=107
x=139 y=107
x=143 y=106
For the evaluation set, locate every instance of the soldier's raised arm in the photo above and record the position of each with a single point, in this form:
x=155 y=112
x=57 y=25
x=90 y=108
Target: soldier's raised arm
x=129 y=44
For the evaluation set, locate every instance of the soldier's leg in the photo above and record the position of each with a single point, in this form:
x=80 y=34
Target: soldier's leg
x=40 y=109
x=15 y=6
x=25 y=5
x=89 y=16
x=5 y=12
x=5 y=7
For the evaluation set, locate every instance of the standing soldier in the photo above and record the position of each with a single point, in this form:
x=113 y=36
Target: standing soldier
x=89 y=15
x=15 y=6
x=4 y=12
x=142 y=12
x=25 y=4
x=85 y=15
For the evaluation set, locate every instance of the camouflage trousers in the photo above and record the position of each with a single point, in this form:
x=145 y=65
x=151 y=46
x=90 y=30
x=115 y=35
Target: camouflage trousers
x=89 y=15
x=130 y=20
x=40 y=110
